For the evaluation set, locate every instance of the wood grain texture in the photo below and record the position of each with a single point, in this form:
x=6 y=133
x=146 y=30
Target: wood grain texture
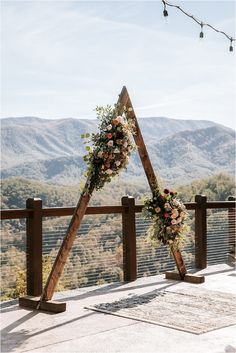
x=33 y=302
x=138 y=138
x=66 y=246
x=124 y=101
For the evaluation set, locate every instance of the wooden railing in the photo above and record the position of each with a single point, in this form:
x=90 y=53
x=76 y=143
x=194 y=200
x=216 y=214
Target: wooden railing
x=34 y=214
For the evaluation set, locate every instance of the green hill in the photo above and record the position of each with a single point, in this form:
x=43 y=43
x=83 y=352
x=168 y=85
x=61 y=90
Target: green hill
x=15 y=191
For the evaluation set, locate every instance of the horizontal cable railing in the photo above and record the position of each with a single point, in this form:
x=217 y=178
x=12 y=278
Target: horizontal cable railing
x=218 y=244
x=111 y=244
x=13 y=259
x=153 y=261
x=96 y=256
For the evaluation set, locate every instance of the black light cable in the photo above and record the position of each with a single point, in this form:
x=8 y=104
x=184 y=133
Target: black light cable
x=201 y=23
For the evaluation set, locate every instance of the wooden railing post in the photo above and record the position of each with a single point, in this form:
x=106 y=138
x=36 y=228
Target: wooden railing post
x=129 y=239
x=34 y=247
x=231 y=225
x=201 y=232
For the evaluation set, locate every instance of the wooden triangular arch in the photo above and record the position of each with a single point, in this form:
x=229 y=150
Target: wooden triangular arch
x=63 y=253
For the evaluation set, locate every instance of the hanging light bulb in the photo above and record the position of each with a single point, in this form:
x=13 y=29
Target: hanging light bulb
x=231 y=48
x=201 y=35
x=165 y=12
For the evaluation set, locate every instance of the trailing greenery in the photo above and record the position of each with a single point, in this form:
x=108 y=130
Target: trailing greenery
x=168 y=216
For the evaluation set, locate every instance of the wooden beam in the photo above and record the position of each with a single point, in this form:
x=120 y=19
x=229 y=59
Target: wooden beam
x=33 y=303
x=34 y=248
x=147 y=166
x=66 y=246
x=138 y=138
x=129 y=239
x=187 y=278
x=201 y=232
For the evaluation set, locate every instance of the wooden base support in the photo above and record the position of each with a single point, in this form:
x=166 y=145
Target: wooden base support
x=187 y=278
x=50 y=305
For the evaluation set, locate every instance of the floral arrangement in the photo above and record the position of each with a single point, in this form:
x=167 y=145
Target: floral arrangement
x=109 y=149
x=168 y=215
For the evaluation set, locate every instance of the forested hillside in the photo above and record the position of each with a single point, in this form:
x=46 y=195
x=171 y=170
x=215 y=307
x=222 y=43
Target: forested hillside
x=52 y=151
x=15 y=191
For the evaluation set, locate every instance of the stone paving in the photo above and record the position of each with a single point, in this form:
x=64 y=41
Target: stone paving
x=84 y=331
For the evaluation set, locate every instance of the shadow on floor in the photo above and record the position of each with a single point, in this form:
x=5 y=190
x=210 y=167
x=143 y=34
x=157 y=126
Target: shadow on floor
x=12 y=340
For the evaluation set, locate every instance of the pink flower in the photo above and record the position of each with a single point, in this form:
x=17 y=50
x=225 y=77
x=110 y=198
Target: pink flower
x=109 y=135
x=120 y=119
x=110 y=143
x=173 y=221
x=109 y=171
x=117 y=163
x=175 y=213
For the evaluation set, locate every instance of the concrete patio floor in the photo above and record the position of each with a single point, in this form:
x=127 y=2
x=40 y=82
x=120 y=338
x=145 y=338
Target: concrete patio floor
x=85 y=331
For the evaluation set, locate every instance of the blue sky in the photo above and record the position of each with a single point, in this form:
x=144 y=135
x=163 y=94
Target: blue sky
x=63 y=58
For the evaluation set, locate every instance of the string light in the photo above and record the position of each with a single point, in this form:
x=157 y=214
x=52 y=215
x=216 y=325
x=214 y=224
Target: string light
x=165 y=12
x=201 y=35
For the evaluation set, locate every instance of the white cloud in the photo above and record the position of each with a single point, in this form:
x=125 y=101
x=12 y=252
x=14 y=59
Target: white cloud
x=62 y=59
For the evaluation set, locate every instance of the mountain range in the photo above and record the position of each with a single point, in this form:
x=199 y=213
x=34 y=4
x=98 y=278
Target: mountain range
x=52 y=150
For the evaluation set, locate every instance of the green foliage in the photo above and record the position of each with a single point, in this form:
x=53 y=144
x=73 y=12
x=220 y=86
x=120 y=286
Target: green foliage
x=168 y=216
x=92 y=254
x=217 y=188
x=110 y=150
x=15 y=191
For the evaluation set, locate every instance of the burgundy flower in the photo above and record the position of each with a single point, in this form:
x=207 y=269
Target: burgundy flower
x=166 y=191
x=119 y=135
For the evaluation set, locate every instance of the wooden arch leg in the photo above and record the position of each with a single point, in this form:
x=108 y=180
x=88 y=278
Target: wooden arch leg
x=124 y=101
x=44 y=302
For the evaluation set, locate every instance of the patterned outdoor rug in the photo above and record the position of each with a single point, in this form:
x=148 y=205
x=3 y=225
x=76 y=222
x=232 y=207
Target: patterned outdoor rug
x=192 y=310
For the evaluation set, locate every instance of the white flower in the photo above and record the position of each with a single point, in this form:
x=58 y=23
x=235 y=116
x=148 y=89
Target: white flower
x=110 y=143
x=179 y=220
x=125 y=144
x=109 y=171
x=116 y=150
x=109 y=127
x=173 y=221
x=167 y=206
x=100 y=154
x=176 y=203
x=117 y=163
